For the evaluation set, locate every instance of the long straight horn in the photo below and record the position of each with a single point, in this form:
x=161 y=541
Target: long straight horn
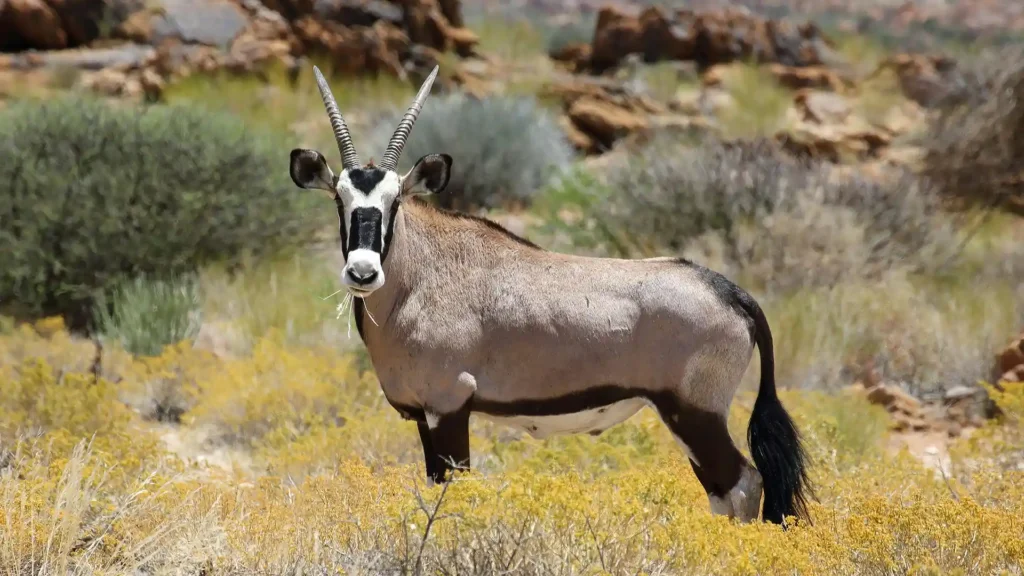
x=349 y=158
x=394 y=151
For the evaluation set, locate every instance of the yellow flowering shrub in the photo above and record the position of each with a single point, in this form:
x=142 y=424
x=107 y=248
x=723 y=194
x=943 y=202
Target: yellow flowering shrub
x=87 y=487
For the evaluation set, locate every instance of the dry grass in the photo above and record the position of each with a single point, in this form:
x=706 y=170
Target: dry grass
x=294 y=295
x=513 y=40
x=344 y=493
x=760 y=103
x=924 y=333
x=278 y=104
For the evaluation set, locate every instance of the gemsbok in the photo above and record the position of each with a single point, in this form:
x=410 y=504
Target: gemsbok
x=468 y=318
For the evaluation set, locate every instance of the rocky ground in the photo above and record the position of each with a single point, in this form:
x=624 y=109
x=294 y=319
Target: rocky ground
x=123 y=48
x=978 y=16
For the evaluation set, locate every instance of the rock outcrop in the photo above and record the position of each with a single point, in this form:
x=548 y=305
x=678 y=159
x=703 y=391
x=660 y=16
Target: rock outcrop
x=706 y=37
x=55 y=24
x=926 y=79
x=958 y=409
x=598 y=113
x=146 y=46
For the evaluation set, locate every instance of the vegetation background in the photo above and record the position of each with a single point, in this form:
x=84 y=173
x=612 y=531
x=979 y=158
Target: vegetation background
x=181 y=390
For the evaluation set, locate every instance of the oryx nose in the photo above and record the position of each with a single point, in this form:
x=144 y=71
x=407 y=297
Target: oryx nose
x=362 y=274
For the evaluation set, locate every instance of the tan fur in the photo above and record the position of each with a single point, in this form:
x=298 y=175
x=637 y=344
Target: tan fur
x=466 y=310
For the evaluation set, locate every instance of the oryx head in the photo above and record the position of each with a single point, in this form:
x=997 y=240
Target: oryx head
x=368 y=195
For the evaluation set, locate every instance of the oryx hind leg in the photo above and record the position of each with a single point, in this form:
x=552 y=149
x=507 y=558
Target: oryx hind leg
x=732 y=484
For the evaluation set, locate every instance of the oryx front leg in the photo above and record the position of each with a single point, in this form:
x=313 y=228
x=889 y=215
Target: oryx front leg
x=449 y=443
x=429 y=454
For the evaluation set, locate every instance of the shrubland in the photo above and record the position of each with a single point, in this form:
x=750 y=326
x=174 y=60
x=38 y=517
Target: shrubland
x=231 y=423
x=335 y=483
x=974 y=146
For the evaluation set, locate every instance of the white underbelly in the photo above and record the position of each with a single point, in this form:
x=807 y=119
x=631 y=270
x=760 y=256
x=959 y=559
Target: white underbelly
x=595 y=420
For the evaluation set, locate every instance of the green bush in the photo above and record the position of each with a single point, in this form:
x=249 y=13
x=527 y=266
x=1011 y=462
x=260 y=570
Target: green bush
x=145 y=314
x=91 y=193
x=504 y=148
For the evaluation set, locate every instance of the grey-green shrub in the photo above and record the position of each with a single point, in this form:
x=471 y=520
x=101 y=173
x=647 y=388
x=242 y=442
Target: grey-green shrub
x=504 y=148
x=782 y=224
x=93 y=192
x=974 y=147
x=578 y=31
x=146 y=314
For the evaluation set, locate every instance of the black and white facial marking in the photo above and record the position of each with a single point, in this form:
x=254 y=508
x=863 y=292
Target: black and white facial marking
x=368 y=199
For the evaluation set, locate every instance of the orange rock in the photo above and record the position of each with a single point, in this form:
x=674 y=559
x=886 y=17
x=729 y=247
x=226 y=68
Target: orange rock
x=576 y=55
x=807 y=77
x=661 y=39
x=138 y=27
x=1011 y=357
x=821 y=107
x=36 y=22
x=463 y=39
x=579 y=139
x=893 y=398
x=615 y=35
x=604 y=121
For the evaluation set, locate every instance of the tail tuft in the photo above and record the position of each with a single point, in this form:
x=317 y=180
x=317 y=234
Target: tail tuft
x=774 y=440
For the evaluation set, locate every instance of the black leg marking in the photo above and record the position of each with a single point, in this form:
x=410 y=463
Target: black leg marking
x=450 y=439
x=718 y=462
x=429 y=454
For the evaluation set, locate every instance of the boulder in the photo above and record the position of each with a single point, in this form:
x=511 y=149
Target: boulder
x=463 y=40
x=575 y=56
x=616 y=34
x=579 y=139
x=425 y=24
x=1011 y=357
x=108 y=81
x=926 y=79
x=605 y=121
x=662 y=39
x=358 y=12
x=706 y=37
x=834 y=143
x=808 y=77
x=34 y=22
x=821 y=107
x=138 y=27
x=208 y=22
x=452 y=10
x=84 y=20
x=894 y=399
x=356 y=50
x=1013 y=375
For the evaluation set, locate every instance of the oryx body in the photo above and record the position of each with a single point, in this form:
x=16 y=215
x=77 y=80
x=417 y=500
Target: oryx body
x=462 y=317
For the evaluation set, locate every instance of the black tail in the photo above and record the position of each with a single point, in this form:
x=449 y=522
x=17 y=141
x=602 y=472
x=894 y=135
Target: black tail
x=772 y=436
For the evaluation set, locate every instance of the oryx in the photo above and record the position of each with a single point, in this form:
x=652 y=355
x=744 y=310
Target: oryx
x=468 y=318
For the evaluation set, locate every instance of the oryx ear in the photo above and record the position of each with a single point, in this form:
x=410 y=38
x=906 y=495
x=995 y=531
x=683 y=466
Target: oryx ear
x=429 y=176
x=309 y=170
